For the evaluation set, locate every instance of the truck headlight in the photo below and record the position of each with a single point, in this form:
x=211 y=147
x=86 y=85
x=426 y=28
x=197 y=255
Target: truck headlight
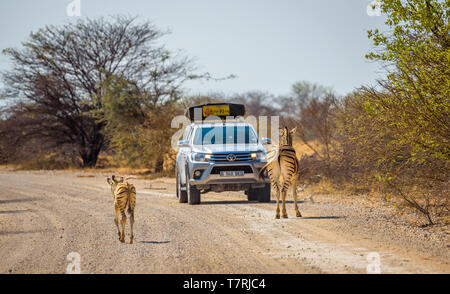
x=259 y=156
x=202 y=157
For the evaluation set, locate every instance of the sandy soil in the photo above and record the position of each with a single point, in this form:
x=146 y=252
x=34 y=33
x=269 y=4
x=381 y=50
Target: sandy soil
x=46 y=215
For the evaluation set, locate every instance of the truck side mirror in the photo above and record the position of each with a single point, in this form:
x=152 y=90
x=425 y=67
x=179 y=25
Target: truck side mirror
x=266 y=141
x=183 y=143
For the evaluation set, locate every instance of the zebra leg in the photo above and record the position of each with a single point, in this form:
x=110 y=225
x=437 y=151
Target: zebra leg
x=116 y=220
x=131 y=225
x=283 y=207
x=294 y=193
x=124 y=221
x=277 y=193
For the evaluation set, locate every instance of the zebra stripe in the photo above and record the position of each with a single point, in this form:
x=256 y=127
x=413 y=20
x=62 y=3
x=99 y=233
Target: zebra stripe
x=125 y=196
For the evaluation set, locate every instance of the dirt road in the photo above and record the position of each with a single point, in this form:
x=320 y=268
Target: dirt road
x=46 y=215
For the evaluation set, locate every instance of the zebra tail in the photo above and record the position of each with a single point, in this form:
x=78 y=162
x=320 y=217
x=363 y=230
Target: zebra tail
x=128 y=205
x=273 y=155
x=261 y=171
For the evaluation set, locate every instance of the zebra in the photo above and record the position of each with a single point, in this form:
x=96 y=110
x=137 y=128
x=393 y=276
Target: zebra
x=124 y=195
x=283 y=169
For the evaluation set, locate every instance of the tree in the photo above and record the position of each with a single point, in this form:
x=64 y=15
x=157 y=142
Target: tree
x=317 y=120
x=310 y=107
x=414 y=101
x=256 y=102
x=136 y=119
x=57 y=77
x=302 y=93
x=399 y=130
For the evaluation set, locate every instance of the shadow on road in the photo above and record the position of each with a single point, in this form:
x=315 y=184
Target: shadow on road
x=322 y=217
x=155 y=242
x=287 y=201
x=221 y=202
x=18 y=200
x=15 y=211
x=23 y=232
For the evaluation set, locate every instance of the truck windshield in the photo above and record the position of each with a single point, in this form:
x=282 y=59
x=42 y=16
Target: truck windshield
x=225 y=135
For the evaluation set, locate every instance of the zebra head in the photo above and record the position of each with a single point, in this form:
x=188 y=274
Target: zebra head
x=286 y=136
x=113 y=183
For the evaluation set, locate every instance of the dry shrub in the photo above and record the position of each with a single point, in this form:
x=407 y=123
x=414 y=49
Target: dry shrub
x=52 y=161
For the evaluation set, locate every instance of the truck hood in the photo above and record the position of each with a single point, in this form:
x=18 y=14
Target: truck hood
x=228 y=148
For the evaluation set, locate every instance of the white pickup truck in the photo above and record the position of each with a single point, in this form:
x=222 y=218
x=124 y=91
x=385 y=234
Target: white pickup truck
x=220 y=155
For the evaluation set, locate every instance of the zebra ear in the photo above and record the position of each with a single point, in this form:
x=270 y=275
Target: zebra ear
x=113 y=177
x=108 y=180
x=121 y=179
x=293 y=131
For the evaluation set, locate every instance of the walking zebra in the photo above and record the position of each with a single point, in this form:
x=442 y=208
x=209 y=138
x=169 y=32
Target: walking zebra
x=283 y=169
x=124 y=195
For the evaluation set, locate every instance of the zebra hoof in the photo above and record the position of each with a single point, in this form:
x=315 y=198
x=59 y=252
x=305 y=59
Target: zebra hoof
x=285 y=216
x=299 y=214
x=122 y=240
x=277 y=216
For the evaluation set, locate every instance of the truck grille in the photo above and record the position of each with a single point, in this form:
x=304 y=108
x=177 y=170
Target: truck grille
x=222 y=157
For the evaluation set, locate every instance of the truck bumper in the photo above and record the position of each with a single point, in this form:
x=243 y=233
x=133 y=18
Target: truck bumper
x=214 y=181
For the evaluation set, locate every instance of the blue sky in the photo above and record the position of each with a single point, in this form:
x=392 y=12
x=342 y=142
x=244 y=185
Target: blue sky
x=269 y=45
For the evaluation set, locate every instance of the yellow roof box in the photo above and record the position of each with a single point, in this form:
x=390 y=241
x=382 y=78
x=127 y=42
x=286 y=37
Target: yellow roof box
x=220 y=110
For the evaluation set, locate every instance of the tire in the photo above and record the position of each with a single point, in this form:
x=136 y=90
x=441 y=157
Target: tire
x=181 y=195
x=261 y=194
x=264 y=194
x=252 y=195
x=193 y=195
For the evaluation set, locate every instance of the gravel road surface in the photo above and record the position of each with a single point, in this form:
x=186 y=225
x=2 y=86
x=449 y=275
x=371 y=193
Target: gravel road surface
x=46 y=215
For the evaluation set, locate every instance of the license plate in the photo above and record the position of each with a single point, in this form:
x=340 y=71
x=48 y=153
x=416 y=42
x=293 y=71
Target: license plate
x=232 y=173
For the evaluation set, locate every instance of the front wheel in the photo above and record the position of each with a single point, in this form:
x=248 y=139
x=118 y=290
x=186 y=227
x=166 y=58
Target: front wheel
x=252 y=194
x=264 y=194
x=181 y=195
x=193 y=194
x=261 y=194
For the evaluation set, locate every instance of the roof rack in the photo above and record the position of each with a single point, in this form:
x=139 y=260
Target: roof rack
x=215 y=111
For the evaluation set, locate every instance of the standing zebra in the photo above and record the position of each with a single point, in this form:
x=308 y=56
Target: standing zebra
x=283 y=169
x=124 y=195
